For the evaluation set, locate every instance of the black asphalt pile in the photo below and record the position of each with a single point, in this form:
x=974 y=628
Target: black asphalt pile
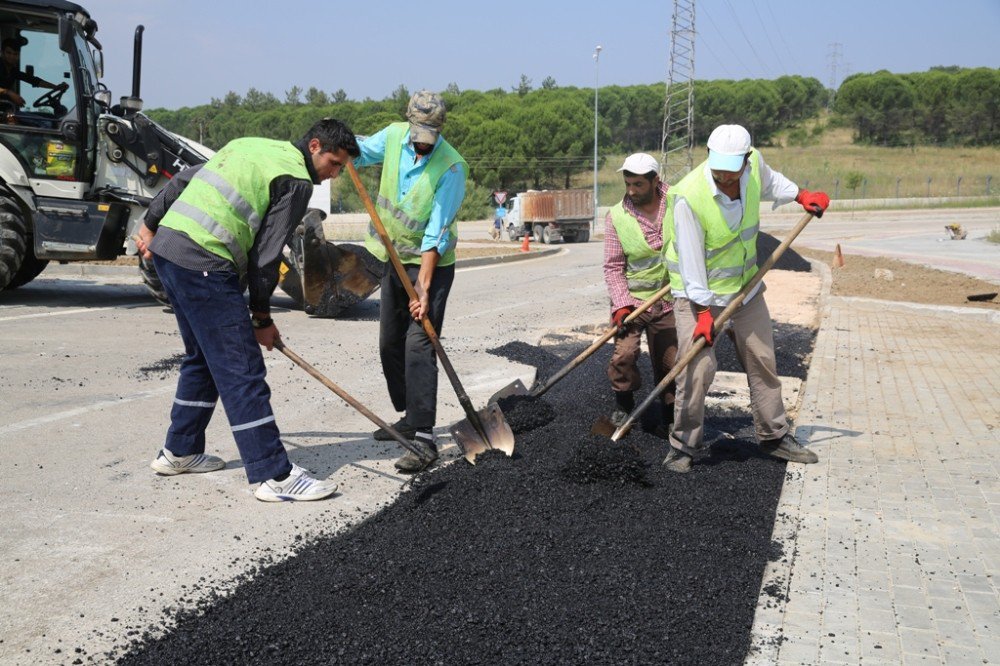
x=524 y=413
x=575 y=550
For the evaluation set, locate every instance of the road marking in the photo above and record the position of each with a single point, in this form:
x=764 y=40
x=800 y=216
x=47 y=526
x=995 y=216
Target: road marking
x=68 y=414
x=57 y=314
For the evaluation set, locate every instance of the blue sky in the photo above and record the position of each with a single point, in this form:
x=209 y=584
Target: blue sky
x=196 y=50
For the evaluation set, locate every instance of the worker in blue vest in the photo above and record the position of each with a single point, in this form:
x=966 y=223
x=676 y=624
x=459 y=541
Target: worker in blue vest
x=210 y=230
x=712 y=255
x=421 y=190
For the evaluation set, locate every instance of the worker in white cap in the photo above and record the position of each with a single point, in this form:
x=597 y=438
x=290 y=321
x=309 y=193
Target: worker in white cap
x=714 y=212
x=421 y=190
x=634 y=270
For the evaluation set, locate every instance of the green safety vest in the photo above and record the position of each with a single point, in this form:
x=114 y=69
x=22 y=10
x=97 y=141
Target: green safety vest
x=730 y=256
x=224 y=205
x=405 y=220
x=645 y=268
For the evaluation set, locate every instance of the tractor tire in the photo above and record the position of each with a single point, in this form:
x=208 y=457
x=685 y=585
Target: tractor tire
x=152 y=282
x=30 y=268
x=13 y=241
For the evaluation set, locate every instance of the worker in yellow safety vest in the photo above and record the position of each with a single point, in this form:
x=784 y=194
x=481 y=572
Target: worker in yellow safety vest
x=714 y=213
x=634 y=270
x=421 y=190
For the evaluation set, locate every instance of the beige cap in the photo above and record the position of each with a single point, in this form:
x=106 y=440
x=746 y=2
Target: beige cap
x=426 y=114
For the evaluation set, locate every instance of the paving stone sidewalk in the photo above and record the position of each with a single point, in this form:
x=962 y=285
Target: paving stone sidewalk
x=892 y=541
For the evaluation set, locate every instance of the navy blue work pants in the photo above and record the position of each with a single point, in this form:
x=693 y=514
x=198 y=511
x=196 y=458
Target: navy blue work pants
x=222 y=360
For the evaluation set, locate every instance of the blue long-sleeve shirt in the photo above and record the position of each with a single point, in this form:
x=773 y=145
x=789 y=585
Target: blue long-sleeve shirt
x=447 y=197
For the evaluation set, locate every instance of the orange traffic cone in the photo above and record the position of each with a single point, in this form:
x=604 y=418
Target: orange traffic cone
x=526 y=243
x=838 y=257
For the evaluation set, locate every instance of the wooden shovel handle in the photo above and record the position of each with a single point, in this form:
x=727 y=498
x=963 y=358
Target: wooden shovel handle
x=349 y=399
x=597 y=344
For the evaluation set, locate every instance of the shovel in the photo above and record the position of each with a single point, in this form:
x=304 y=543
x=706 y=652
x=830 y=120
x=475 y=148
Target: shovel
x=723 y=317
x=479 y=431
x=517 y=386
x=346 y=397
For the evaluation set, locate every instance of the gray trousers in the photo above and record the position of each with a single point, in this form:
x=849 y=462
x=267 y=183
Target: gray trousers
x=753 y=336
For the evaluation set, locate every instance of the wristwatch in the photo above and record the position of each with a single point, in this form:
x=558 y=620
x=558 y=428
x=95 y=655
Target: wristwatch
x=261 y=323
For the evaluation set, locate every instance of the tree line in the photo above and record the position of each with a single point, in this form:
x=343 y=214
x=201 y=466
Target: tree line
x=943 y=106
x=538 y=138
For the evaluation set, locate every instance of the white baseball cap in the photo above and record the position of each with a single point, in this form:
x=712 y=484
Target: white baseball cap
x=640 y=164
x=726 y=147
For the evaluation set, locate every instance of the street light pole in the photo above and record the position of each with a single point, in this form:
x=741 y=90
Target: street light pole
x=597 y=57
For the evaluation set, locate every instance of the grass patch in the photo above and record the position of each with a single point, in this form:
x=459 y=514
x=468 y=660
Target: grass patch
x=835 y=162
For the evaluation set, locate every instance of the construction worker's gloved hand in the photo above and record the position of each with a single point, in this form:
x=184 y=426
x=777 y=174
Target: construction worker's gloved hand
x=704 y=326
x=619 y=315
x=813 y=202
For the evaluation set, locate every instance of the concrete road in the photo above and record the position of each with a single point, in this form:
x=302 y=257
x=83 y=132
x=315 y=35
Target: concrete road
x=916 y=236
x=91 y=540
x=90 y=535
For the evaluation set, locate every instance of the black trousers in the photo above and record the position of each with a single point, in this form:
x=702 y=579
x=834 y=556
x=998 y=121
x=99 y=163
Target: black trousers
x=408 y=360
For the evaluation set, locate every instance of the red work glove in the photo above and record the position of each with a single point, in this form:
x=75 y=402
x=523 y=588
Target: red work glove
x=813 y=202
x=620 y=314
x=703 y=329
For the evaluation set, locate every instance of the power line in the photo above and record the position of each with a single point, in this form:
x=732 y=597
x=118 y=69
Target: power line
x=739 y=24
x=767 y=35
x=781 y=33
x=736 y=56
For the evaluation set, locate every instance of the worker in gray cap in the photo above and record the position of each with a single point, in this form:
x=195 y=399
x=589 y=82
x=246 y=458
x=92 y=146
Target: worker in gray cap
x=422 y=187
x=634 y=270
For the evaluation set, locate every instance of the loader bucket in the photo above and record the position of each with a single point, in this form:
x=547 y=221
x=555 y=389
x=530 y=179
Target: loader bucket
x=327 y=278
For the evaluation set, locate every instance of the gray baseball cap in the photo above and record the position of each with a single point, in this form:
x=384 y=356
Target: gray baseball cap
x=426 y=114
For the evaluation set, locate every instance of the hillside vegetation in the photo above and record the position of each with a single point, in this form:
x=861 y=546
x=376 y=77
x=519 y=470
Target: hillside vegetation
x=942 y=125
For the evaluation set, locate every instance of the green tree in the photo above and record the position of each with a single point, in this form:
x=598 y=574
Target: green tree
x=292 y=96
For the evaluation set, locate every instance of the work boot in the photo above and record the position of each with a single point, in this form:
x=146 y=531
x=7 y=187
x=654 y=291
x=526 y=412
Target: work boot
x=678 y=461
x=400 y=426
x=411 y=463
x=788 y=449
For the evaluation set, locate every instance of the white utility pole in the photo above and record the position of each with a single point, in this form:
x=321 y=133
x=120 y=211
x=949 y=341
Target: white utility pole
x=597 y=59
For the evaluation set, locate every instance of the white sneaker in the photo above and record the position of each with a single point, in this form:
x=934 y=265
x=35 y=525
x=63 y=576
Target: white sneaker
x=298 y=487
x=169 y=464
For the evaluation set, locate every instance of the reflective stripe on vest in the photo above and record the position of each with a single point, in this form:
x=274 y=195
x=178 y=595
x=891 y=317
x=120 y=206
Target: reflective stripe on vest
x=224 y=205
x=405 y=220
x=730 y=256
x=645 y=268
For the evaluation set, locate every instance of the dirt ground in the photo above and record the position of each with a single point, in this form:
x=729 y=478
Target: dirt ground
x=866 y=276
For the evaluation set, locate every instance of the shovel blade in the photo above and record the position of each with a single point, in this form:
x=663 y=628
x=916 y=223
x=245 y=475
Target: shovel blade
x=516 y=387
x=498 y=432
x=604 y=427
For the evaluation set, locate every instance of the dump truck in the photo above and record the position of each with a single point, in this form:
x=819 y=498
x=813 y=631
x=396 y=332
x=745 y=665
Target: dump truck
x=78 y=172
x=550 y=216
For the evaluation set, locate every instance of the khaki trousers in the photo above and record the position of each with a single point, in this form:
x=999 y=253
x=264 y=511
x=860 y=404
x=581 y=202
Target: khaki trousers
x=661 y=340
x=753 y=336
